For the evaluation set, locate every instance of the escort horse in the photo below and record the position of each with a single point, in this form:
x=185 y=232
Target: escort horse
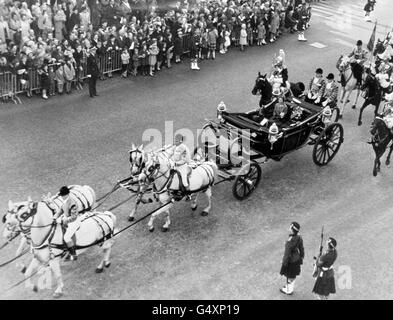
x=348 y=82
x=46 y=236
x=155 y=169
x=381 y=137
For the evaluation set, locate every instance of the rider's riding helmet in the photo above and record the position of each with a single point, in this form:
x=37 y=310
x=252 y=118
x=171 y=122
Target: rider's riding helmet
x=319 y=71
x=330 y=76
x=359 y=43
x=179 y=138
x=64 y=191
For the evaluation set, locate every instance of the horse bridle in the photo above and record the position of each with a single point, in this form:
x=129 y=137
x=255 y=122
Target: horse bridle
x=141 y=163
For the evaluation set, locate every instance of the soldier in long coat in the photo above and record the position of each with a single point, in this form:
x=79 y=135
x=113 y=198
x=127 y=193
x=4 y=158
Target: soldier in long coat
x=324 y=284
x=293 y=258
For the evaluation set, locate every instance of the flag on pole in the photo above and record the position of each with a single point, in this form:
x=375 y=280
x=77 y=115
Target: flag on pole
x=371 y=43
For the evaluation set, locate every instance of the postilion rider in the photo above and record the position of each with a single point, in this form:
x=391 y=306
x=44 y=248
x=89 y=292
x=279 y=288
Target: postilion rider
x=68 y=216
x=182 y=158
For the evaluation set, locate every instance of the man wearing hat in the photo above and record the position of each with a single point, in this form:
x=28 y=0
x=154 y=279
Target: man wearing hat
x=316 y=88
x=359 y=57
x=293 y=258
x=67 y=215
x=181 y=157
x=324 y=284
x=93 y=72
x=330 y=94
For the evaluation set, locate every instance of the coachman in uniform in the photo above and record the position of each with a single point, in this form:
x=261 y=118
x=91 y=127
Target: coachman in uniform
x=93 y=72
x=293 y=258
x=324 y=285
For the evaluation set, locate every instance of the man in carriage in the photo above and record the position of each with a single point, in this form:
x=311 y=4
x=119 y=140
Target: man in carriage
x=358 y=57
x=316 y=88
x=330 y=94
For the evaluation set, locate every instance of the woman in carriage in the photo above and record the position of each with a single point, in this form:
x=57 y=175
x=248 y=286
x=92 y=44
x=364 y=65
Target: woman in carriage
x=279 y=75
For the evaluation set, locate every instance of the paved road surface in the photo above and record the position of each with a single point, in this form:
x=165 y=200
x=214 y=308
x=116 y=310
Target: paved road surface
x=235 y=252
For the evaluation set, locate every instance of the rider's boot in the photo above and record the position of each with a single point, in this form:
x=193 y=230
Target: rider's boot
x=71 y=250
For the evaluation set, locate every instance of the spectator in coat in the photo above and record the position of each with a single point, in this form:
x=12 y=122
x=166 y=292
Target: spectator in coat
x=178 y=46
x=59 y=23
x=93 y=72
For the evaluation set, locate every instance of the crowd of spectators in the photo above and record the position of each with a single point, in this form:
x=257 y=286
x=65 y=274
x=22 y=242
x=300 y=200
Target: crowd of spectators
x=54 y=36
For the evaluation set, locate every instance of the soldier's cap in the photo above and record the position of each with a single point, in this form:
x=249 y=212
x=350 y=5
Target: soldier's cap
x=64 y=191
x=332 y=242
x=319 y=71
x=330 y=76
x=295 y=226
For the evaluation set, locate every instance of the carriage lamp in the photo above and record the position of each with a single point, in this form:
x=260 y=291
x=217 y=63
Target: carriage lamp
x=326 y=115
x=220 y=109
x=274 y=134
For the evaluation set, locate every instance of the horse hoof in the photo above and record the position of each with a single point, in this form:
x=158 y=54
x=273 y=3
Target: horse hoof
x=131 y=219
x=151 y=229
x=193 y=209
x=348 y=101
x=375 y=173
x=57 y=295
x=204 y=213
x=35 y=288
x=164 y=229
x=108 y=265
x=340 y=116
x=23 y=270
x=354 y=107
x=99 y=270
x=360 y=123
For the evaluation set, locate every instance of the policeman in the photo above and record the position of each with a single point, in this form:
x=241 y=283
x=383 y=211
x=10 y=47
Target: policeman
x=181 y=157
x=293 y=258
x=324 y=284
x=67 y=214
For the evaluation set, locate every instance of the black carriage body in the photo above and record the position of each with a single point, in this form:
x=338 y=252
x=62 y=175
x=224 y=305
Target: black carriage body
x=294 y=135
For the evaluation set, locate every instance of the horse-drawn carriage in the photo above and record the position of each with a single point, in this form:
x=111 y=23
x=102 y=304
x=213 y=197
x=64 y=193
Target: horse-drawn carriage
x=249 y=144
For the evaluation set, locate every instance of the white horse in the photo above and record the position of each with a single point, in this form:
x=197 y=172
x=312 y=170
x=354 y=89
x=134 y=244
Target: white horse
x=47 y=238
x=344 y=66
x=83 y=196
x=137 y=161
x=158 y=168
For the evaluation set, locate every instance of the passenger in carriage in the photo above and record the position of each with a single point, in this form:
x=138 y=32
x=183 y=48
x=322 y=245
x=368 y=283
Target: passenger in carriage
x=316 y=88
x=330 y=94
x=280 y=72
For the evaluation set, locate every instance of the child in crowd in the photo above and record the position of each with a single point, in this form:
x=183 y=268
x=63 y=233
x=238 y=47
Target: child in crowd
x=52 y=80
x=135 y=61
x=125 y=61
x=153 y=52
x=261 y=34
x=243 y=37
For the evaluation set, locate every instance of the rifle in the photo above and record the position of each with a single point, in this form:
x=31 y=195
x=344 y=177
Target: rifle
x=315 y=272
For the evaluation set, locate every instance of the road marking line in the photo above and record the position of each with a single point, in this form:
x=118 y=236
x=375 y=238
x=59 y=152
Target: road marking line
x=318 y=45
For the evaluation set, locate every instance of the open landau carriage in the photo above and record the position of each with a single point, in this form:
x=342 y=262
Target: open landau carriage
x=239 y=143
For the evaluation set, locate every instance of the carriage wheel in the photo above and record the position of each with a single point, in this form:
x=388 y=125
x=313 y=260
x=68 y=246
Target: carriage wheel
x=328 y=143
x=245 y=184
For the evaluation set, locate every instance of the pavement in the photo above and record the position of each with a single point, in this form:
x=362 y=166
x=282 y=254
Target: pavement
x=236 y=251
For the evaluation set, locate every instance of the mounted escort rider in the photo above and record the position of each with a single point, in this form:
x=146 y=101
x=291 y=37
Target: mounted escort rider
x=316 y=88
x=384 y=76
x=358 y=57
x=68 y=216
